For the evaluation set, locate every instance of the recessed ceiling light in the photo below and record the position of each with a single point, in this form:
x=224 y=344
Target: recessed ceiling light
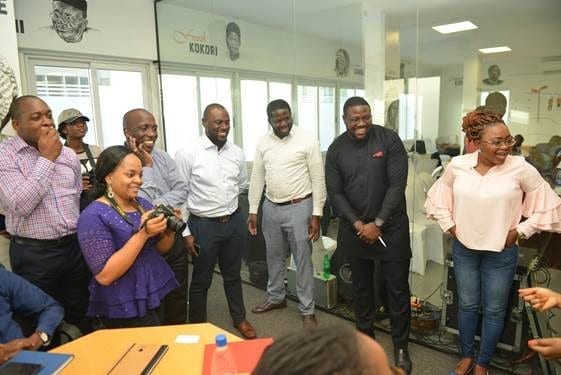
x=455 y=27
x=495 y=49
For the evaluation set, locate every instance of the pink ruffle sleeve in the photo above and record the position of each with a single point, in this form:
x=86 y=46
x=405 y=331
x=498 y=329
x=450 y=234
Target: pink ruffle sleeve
x=440 y=204
x=542 y=207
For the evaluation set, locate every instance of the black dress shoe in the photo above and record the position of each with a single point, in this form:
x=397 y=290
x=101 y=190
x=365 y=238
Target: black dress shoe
x=403 y=360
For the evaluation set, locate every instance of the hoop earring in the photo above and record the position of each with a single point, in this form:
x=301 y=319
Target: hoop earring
x=110 y=193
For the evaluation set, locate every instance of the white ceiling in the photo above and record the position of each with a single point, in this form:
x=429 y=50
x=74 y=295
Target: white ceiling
x=532 y=28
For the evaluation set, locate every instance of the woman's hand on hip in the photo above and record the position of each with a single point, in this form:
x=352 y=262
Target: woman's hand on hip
x=452 y=232
x=511 y=237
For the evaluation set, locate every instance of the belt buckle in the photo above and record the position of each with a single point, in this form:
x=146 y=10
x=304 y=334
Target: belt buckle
x=224 y=219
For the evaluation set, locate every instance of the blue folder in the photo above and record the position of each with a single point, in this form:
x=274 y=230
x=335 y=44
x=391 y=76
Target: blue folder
x=52 y=363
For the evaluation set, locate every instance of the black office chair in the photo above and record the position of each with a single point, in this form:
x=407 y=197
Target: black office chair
x=419 y=147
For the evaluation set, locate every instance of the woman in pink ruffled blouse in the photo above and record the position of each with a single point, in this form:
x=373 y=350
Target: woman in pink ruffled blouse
x=480 y=201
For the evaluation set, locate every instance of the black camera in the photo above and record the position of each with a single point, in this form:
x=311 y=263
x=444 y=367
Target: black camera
x=173 y=223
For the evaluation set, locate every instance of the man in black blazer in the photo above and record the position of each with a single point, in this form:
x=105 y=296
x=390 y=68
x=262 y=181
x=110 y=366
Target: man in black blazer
x=366 y=175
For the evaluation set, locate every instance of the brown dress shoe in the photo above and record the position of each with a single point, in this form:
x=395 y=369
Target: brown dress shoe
x=268 y=306
x=246 y=329
x=309 y=321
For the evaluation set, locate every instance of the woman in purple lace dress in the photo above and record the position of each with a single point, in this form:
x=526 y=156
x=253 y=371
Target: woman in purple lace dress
x=121 y=245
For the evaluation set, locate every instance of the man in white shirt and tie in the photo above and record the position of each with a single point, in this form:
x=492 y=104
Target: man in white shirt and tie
x=215 y=172
x=288 y=162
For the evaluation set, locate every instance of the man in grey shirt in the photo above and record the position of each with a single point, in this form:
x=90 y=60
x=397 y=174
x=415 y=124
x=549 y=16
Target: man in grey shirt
x=160 y=185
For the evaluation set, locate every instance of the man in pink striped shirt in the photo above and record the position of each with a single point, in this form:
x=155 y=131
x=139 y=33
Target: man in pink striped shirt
x=40 y=189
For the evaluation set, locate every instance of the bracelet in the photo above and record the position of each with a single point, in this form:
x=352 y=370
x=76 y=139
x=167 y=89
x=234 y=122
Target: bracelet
x=521 y=236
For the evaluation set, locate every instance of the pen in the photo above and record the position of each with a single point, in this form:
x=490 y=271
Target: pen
x=382 y=241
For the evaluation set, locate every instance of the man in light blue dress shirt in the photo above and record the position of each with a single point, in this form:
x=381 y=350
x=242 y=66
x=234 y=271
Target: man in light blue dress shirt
x=160 y=185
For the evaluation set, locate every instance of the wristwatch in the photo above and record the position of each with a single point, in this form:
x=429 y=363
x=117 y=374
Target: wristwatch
x=521 y=236
x=44 y=337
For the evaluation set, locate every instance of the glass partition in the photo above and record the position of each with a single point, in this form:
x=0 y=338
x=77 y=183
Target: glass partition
x=418 y=81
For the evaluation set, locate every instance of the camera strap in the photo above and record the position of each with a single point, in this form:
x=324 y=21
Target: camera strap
x=122 y=212
x=89 y=155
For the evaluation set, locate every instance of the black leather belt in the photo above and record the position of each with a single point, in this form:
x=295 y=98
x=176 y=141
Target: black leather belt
x=36 y=242
x=292 y=201
x=220 y=219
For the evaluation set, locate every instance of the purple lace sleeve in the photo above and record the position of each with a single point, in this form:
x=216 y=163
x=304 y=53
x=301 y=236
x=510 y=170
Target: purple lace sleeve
x=96 y=240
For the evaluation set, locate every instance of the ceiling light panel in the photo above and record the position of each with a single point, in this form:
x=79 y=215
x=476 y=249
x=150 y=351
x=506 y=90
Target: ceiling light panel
x=455 y=27
x=495 y=49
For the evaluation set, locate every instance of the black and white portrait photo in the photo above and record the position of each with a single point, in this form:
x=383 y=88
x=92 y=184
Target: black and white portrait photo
x=70 y=19
x=8 y=87
x=233 y=40
x=342 y=63
x=494 y=73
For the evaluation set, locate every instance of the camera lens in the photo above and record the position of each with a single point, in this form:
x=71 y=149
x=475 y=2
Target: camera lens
x=176 y=224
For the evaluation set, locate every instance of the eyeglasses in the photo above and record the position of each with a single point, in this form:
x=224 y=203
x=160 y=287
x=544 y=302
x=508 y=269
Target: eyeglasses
x=508 y=142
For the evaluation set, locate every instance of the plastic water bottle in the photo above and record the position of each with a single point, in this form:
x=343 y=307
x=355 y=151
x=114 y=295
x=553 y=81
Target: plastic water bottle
x=326 y=267
x=223 y=362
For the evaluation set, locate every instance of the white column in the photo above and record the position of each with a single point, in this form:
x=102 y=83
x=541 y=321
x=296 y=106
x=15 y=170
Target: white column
x=373 y=39
x=393 y=54
x=470 y=92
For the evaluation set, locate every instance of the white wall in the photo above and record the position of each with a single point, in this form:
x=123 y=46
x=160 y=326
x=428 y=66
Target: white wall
x=263 y=49
x=451 y=104
x=126 y=29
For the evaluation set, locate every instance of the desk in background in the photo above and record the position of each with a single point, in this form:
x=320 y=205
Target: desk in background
x=97 y=352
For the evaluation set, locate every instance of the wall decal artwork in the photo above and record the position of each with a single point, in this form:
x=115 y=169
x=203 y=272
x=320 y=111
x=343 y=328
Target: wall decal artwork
x=494 y=74
x=539 y=92
x=8 y=87
x=233 y=40
x=70 y=19
x=342 y=63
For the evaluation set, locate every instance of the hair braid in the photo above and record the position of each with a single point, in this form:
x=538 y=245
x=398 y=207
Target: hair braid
x=474 y=122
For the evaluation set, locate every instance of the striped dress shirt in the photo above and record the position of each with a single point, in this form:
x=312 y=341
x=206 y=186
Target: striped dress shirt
x=40 y=197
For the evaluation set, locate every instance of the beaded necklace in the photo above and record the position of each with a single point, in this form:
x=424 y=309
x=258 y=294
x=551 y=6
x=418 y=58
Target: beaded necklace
x=121 y=212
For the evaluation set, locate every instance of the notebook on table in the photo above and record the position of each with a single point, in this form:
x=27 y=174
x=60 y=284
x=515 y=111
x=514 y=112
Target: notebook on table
x=28 y=362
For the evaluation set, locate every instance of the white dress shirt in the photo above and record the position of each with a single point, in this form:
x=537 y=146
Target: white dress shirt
x=290 y=167
x=214 y=177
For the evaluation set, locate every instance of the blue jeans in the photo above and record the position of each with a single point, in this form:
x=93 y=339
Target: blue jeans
x=484 y=278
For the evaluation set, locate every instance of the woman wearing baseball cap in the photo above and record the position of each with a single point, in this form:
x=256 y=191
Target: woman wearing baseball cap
x=72 y=126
